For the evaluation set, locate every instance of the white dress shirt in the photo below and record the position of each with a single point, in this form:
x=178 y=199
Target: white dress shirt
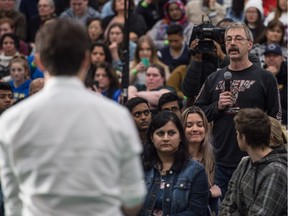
x=67 y=151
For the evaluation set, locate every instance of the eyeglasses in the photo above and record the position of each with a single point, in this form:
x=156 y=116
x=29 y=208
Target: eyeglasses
x=237 y=39
x=172 y=109
x=139 y=114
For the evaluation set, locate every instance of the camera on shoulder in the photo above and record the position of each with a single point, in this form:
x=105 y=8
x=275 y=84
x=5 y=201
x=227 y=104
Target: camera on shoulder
x=206 y=32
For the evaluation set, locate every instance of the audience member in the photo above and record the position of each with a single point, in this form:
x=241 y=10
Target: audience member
x=28 y=8
x=235 y=11
x=7 y=26
x=248 y=86
x=210 y=9
x=46 y=11
x=6 y=100
x=145 y=54
x=150 y=11
x=20 y=77
x=100 y=171
x=170 y=102
x=36 y=85
x=94 y=29
x=176 y=185
x=79 y=11
x=202 y=64
x=253 y=18
x=10 y=46
x=105 y=79
x=174 y=13
x=115 y=41
x=176 y=78
x=20 y=23
x=62 y=5
x=275 y=64
x=176 y=53
x=198 y=137
x=281 y=14
x=137 y=23
x=154 y=88
x=140 y=110
x=259 y=184
x=278 y=134
x=273 y=33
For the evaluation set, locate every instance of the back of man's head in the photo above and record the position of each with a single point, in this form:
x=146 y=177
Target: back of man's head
x=255 y=125
x=62 y=45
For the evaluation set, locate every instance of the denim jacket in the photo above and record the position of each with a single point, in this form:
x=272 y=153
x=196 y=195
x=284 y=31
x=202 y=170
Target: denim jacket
x=185 y=192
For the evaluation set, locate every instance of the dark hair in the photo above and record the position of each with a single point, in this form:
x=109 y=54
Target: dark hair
x=237 y=6
x=255 y=125
x=259 y=27
x=131 y=4
x=121 y=45
x=133 y=102
x=160 y=68
x=111 y=74
x=174 y=29
x=62 y=45
x=169 y=97
x=14 y=38
x=225 y=20
x=150 y=156
x=108 y=56
x=272 y=24
x=5 y=86
x=89 y=21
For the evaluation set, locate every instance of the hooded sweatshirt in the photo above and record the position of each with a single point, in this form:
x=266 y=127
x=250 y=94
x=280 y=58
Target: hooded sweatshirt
x=258 y=188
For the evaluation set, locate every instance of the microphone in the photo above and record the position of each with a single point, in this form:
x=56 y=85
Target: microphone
x=227 y=78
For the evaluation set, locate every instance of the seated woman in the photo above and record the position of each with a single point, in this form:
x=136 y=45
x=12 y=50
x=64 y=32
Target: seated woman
x=154 y=87
x=176 y=185
x=10 y=46
x=20 y=74
x=94 y=30
x=198 y=137
x=104 y=80
x=115 y=42
x=138 y=25
x=145 y=54
x=273 y=33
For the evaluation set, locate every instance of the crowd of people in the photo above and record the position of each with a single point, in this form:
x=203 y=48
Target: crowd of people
x=205 y=112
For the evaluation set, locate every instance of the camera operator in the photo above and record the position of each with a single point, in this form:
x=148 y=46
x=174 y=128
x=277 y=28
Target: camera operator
x=204 y=63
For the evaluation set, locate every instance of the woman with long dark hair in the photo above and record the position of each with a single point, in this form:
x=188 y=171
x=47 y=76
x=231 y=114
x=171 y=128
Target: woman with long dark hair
x=176 y=185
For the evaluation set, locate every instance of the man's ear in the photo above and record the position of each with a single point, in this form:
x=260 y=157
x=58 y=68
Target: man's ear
x=38 y=62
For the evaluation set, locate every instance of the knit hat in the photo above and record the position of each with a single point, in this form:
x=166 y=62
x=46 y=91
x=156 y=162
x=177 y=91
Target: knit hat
x=256 y=4
x=273 y=48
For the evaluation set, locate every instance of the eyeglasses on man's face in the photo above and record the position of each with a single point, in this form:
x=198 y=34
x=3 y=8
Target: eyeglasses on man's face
x=237 y=39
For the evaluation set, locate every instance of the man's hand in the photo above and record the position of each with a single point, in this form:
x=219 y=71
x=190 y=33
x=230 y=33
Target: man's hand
x=197 y=56
x=226 y=99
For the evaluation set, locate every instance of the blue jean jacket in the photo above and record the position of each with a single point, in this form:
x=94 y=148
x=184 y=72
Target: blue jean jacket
x=185 y=192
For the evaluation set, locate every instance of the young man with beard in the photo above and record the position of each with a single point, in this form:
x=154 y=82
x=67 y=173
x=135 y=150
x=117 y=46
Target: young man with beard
x=247 y=86
x=140 y=110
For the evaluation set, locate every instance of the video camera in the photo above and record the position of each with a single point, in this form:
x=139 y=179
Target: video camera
x=207 y=30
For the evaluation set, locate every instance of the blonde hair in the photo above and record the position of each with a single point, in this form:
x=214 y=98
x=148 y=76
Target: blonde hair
x=21 y=59
x=206 y=148
x=278 y=133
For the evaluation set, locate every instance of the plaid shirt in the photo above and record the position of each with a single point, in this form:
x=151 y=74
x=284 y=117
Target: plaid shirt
x=258 y=188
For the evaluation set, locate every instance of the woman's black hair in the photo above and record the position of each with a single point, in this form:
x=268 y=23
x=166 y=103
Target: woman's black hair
x=150 y=156
x=14 y=37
